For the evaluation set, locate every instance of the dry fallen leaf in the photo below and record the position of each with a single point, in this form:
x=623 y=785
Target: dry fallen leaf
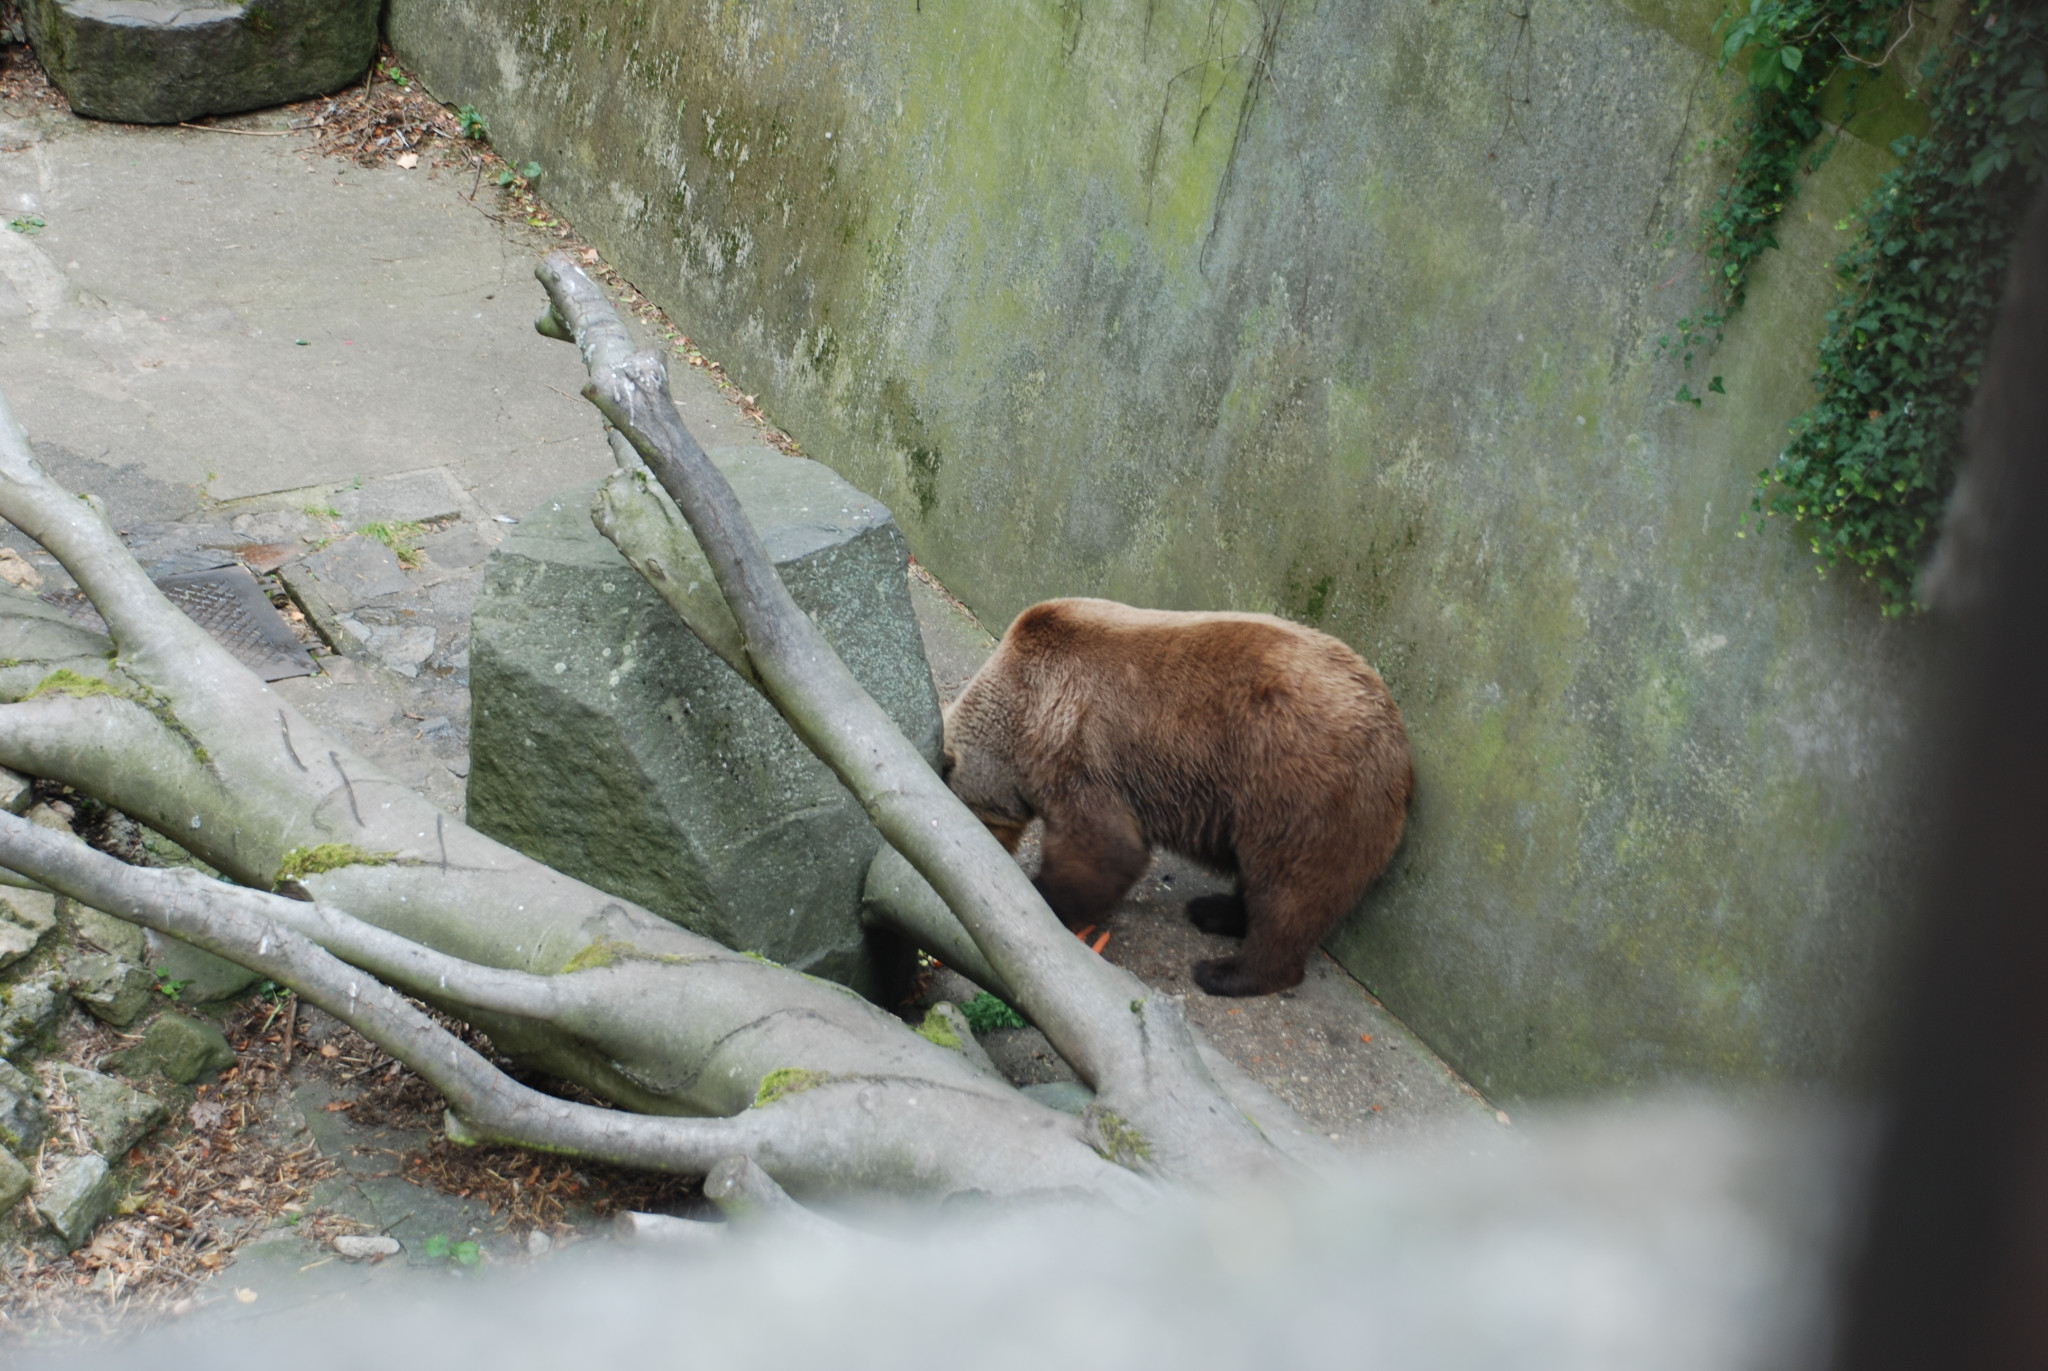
x=409 y=160
x=207 y=1115
x=15 y=570
x=244 y=1295
x=329 y=1051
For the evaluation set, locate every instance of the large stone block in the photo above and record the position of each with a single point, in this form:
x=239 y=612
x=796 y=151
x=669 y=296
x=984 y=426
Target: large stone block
x=158 y=61
x=611 y=744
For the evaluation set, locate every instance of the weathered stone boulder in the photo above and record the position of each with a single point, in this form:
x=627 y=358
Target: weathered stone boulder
x=23 y=1121
x=25 y=916
x=160 y=61
x=15 y=1180
x=182 y=1048
x=116 y=991
x=77 y=1193
x=114 y=1116
x=31 y=1009
x=609 y=743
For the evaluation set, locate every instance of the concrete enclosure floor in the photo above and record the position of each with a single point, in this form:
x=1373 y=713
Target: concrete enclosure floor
x=202 y=316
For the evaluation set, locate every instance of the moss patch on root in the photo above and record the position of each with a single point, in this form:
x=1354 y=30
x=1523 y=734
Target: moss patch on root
x=73 y=685
x=785 y=1081
x=1118 y=1141
x=936 y=1028
x=302 y=862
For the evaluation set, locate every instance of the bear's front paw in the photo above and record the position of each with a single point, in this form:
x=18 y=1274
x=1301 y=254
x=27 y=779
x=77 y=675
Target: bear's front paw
x=1221 y=914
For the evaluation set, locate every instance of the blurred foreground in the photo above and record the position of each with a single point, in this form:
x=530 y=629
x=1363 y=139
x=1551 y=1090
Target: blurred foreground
x=1677 y=1234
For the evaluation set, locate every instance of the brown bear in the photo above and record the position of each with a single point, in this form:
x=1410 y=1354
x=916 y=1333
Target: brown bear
x=1252 y=745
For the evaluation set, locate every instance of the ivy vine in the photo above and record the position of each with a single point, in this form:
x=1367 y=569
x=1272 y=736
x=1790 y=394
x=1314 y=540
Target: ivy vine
x=1870 y=465
x=1794 y=48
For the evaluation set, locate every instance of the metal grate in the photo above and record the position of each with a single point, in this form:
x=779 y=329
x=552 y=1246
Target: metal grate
x=228 y=603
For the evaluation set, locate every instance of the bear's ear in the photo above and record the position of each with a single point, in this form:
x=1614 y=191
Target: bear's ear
x=948 y=759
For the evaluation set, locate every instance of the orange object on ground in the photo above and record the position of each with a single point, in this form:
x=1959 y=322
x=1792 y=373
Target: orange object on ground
x=1101 y=943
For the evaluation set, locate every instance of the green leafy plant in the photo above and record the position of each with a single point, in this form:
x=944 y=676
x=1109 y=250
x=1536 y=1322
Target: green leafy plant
x=521 y=177
x=168 y=987
x=471 y=123
x=1871 y=463
x=30 y=224
x=985 y=1012
x=397 y=78
x=1791 y=49
x=441 y=1247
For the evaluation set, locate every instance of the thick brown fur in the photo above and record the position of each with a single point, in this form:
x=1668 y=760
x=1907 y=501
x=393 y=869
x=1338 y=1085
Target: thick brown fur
x=1254 y=746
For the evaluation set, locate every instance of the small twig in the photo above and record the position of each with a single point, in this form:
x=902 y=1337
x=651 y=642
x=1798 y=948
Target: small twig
x=442 y=839
x=291 y=1029
x=348 y=785
x=246 y=133
x=284 y=727
x=1880 y=62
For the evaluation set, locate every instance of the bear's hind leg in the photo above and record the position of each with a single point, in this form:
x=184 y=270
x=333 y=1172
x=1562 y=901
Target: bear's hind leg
x=1092 y=856
x=1221 y=914
x=1283 y=927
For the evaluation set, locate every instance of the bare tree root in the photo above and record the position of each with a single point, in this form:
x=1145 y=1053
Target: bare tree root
x=826 y=1092
x=916 y=1136
x=1157 y=1105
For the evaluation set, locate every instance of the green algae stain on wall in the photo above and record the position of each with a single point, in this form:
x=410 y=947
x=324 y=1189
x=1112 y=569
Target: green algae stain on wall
x=1344 y=312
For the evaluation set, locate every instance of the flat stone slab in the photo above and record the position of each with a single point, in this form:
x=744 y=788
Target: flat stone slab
x=162 y=61
x=354 y=571
x=113 y=1115
x=608 y=742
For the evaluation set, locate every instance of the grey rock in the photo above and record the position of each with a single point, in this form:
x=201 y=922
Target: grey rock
x=207 y=977
x=114 y=990
x=183 y=1049
x=125 y=940
x=31 y=1009
x=160 y=61
x=607 y=741
x=76 y=1195
x=17 y=792
x=357 y=1247
x=114 y=1115
x=15 y=1181
x=24 y=1123
x=25 y=917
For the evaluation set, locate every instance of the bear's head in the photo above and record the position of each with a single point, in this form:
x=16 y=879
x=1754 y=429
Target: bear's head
x=980 y=761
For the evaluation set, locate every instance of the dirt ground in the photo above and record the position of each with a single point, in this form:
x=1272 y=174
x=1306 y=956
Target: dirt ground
x=314 y=1134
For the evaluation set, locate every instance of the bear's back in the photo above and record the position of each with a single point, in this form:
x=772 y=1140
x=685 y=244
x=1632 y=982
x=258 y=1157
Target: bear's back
x=1202 y=719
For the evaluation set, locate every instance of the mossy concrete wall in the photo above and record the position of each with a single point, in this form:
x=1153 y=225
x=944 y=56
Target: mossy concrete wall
x=1345 y=311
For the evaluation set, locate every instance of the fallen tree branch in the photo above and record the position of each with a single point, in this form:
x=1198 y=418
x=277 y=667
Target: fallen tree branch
x=798 y=1128
x=1157 y=1104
